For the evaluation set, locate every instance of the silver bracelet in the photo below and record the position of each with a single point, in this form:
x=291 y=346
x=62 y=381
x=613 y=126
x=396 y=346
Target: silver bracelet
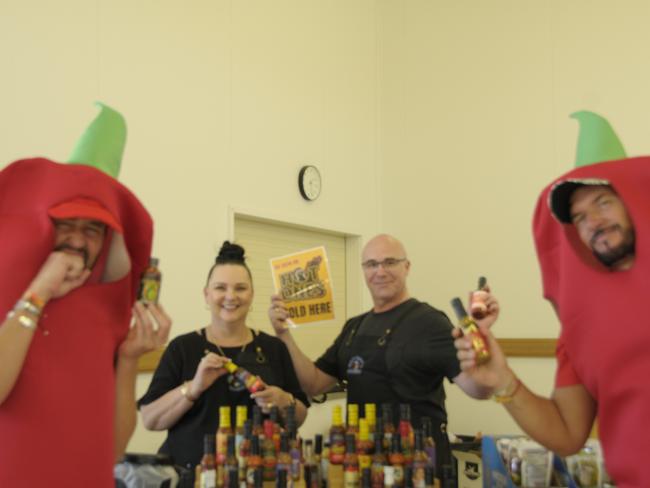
x=23 y=305
x=24 y=320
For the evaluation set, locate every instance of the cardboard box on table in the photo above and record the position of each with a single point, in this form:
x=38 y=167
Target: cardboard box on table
x=468 y=462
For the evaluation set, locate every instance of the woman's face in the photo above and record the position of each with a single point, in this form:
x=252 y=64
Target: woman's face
x=229 y=293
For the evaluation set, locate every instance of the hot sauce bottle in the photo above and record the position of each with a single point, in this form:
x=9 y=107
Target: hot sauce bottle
x=350 y=463
x=244 y=449
x=377 y=464
x=477 y=307
x=408 y=477
x=337 y=437
x=254 y=463
x=284 y=458
x=429 y=443
x=281 y=480
x=396 y=460
x=208 y=472
x=150 y=283
x=353 y=419
x=241 y=412
x=420 y=461
x=318 y=456
x=370 y=413
x=471 y=330
x=268 y=452
x=406 y=432
x=325 y=465
x=389 y=426
x=274 y=416
x=231 y=465
x=430 y=478
x=252 y=382
x=258 y=429
x=366 y=478
x=364 y=445
x=223 y=432
x=295 y=449
x=311 y=468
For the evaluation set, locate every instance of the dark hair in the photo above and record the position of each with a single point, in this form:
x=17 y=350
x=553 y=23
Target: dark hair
x=230 y=254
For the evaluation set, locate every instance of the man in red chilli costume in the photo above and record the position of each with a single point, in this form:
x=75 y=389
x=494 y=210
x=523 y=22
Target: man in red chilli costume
x=73 y=245
x=589 y=227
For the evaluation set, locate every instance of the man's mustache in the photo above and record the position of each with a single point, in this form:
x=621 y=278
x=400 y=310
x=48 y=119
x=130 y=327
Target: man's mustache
x=82 y=250
x=600 y=232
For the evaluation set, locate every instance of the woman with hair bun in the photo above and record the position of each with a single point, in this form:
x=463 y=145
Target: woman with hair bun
x=191 y=383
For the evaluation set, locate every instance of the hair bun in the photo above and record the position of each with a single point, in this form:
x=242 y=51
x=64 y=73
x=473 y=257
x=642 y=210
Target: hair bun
x=230 y=253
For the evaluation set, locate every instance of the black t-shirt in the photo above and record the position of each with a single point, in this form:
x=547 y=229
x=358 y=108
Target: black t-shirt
x=420 y=353
x=266 y=356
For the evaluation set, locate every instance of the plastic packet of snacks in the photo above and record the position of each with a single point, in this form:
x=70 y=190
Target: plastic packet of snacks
x=536 y=464
x=528 y=463
x=586 y=467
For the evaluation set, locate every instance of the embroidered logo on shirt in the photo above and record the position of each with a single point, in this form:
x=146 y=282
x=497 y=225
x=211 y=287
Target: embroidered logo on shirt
x=355 y=365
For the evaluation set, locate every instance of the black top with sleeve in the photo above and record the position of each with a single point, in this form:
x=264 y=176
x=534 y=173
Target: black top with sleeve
x=266 y=356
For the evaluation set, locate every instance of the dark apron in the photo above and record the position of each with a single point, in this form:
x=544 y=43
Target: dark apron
x=363 y=360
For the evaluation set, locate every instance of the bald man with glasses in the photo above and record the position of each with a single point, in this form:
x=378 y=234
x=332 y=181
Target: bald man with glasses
x=397 y=353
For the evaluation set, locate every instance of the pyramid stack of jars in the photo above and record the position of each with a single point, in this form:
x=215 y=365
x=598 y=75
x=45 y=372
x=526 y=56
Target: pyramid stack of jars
x=369 y=452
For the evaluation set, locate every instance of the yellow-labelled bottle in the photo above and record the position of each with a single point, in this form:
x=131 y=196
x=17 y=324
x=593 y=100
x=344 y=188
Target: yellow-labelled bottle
x=224 y=430
x=252 y=382
x=364 y=445
x=471 y=330
x=370 y=414
x=353 y=419
x=150 y=282
x=337 y=436
x=241 y=412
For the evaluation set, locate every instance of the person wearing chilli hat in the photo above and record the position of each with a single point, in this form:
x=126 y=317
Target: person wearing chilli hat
x=591 y=229
x=73 y=245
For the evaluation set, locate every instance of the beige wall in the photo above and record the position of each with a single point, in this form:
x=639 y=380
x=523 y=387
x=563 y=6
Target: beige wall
x=475 y=98
x=436 y=121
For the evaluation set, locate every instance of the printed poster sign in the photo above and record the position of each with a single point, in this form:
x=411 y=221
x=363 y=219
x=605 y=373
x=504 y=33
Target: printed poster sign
x=303 y=281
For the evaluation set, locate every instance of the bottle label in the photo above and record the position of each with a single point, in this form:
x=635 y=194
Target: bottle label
x=351 y=479
x=389 y=476
x=418 y=477
x=222 y=447
x=337 y=448
x=208 y=479
x=364 y=461
x=398 y=475
x=150 y=291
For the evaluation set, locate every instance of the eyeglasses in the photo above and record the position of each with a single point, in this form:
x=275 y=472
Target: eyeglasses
x=387 y=263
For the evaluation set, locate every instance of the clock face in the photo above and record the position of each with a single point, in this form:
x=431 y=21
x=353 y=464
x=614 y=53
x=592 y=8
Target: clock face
x=309 y=182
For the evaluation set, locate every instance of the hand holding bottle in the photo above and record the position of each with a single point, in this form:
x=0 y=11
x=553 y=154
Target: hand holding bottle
x=211 y=367
x=272 y=396
x=495 y=373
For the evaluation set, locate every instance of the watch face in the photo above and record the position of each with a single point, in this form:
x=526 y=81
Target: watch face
x=309 y=182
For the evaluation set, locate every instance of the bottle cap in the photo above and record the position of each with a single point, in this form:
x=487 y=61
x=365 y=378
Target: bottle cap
x=459 y=308
x=482 y=281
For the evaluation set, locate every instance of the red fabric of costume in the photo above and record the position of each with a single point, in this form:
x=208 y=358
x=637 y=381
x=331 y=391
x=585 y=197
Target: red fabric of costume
x=57 y=424
x=605 y=333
